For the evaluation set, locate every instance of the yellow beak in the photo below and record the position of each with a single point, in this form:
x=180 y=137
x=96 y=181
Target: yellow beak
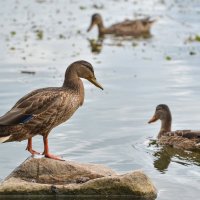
x=94 y=81
x=90 y=27
x=153 y=119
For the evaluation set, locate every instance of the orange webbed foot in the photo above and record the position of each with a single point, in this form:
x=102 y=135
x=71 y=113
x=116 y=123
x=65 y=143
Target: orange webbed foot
x=29 y=148
x=33 y=152
x=51 y=156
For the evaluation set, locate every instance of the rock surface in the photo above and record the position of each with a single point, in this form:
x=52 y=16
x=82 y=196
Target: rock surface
x=45 y=176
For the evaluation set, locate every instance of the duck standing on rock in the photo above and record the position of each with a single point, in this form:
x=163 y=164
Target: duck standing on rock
x=134 y=28
x=38 y=112
x=181 y=139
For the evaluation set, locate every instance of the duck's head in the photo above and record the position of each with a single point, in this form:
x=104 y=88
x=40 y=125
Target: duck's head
x=162 y=112
x=82 y=69
x=96 y=20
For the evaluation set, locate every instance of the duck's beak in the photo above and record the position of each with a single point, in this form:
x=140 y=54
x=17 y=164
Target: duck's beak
x=94 y=81
x=153 y=119
x=90 y=27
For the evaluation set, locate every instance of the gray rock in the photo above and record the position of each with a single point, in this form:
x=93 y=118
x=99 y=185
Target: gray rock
x=46 y=177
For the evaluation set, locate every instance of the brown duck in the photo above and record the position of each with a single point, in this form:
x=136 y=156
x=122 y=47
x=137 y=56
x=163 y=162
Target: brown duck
x=38 y=112
x=126 y=28
x=181 y=139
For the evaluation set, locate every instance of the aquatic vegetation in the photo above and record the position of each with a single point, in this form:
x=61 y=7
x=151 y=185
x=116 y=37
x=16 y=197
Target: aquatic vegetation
x=61 y=36
x=12 y=48
x=39 y=34
x=195 y=38
x=82 y=7
x=12 y=33
x=168 y=58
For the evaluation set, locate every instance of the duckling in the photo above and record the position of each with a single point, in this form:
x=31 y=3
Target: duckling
x=41 y=110
x=126 y=28
x=181 y=139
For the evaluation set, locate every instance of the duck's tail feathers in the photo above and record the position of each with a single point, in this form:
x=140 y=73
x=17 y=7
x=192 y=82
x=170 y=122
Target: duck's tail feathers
x=148 y=21
x=152 y=21
x=4 y=139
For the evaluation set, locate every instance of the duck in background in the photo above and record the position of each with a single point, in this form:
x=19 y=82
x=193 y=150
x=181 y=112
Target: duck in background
x=136 y=28
x=38 y=112
x=181 y=139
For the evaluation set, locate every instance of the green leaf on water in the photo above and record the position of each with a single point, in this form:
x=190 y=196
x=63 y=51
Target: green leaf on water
x=82 y=7
x=197 y=38
x=168 y=58
x=12 y=48
x=39 y=34
x=13 y=33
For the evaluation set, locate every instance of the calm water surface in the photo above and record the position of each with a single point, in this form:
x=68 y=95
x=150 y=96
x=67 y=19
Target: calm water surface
x=111 y=128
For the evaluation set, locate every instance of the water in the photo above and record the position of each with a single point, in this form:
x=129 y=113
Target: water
x=111 y=128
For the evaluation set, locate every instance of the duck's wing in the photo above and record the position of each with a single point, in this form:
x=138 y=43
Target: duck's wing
x=125 y=24
x=29 y=95
x=14 y=117
x=185 y=133
x=123 y=28
x=133 y=23
x=191 y=134
x=131 y=27
x=31 y=105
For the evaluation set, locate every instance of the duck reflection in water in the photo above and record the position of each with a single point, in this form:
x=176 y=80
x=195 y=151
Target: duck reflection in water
x=96 y=45
x=167 y=154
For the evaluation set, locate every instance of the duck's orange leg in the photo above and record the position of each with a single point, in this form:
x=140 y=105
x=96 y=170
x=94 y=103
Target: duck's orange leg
x=29 y=147
x=46 y=150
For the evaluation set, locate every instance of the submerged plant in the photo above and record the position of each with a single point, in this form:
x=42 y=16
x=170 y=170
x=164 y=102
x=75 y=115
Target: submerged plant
x=168 y=58
x=39 y=34
x=13 y=33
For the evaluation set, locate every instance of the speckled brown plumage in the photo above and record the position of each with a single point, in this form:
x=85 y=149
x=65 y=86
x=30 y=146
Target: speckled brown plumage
x=126 y=28
x=181 y=139
x=38 y=112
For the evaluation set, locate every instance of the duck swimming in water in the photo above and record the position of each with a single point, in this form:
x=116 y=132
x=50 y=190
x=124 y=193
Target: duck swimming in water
x=126 y=28
x=38 y=112
x=181 y=139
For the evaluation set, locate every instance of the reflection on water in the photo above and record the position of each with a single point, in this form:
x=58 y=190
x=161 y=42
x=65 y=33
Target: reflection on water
x=96 y=45
x=164 y=155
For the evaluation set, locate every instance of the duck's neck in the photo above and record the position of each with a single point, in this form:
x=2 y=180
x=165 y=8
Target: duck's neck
x=101 y=28
x=72 y=79
x=71 y=75
x=165 y=126
x=74 y=83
